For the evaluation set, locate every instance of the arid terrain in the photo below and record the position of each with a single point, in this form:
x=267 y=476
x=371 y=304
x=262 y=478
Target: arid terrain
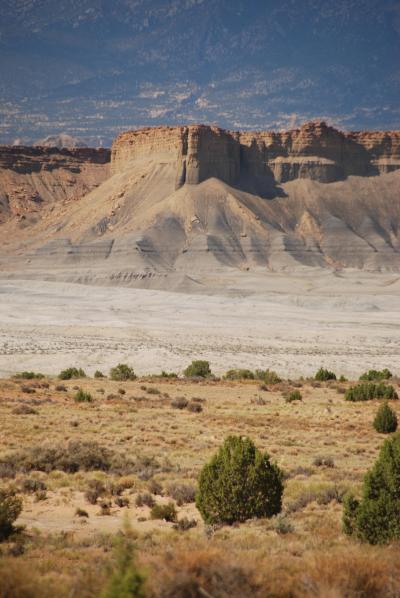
x=293 y=324
x=323 y=443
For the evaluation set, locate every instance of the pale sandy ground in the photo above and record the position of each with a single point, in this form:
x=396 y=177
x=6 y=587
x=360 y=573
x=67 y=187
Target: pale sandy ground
x=293 y=324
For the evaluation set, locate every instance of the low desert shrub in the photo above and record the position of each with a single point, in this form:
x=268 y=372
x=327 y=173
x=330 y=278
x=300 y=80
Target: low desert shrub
x=194 y=407
x=366 y=391
x=295 y=395
x=166 y=512
x=98 y=374
x=239 y=483
x=323 y=462
x=10 y=509
x=95 y=489
x=182 y=493
x=282 y=525
x=144 y=499
x=268 y=376
x=184 y=524
x=373 y=375
x=239 y=374
x=77 y=455
x=60 y=388
x=375 y=518
x=29 y=375
x=179 y=403
x=83 y=397
x=81 y=513
x=198 y=369
x=70 y=373
x=155 y=487
x=31 y=485
x=165 y=374
x=385 y=420
x=122 y=372
x=151 y=390
x=24 y=410
x=323 y=375
x=28 y=389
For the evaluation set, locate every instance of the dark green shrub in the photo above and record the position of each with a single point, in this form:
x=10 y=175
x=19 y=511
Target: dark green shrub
x=385 y=420
x=372 y=375
x=238 y=483
x=10 y=509
x=239 y=375
x=70 y=373
x=83 y=397
x=198 y=368
x=122 y=372
x=295 y=395
x=29 y=375
x=268 y=376
x=125 y=580
x=323 y=375
x=366 y=391
x=166 y=512
x=98 y=374
x=376 y=517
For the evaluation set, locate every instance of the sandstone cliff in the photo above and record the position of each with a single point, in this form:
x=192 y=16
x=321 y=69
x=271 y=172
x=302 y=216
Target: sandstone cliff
x=32 y=177
x=258 y=161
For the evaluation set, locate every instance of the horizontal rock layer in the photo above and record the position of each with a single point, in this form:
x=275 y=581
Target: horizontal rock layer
x=31 y=177
x=260 y=160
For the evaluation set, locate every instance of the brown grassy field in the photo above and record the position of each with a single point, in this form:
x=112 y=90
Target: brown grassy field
x=323 y=444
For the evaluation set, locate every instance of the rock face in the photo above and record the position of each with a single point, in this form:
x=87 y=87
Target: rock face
x=31 y=177
x=258 y=161
x=186 y=203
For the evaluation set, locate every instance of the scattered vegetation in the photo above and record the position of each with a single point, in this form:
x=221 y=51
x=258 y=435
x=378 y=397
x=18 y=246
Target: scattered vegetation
x=198 y=369
x=385 y=420
x=77 y=455
x=238 y=483
x=372 y=375
x=370 y=390
x=98 y=374
x=375 y=518
x=323 y=375
x=70 y=373
x=122 y=372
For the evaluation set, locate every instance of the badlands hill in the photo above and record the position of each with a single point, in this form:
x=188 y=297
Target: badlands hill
x=179 y=206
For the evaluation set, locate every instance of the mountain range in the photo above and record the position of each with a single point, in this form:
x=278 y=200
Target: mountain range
x=92 y=68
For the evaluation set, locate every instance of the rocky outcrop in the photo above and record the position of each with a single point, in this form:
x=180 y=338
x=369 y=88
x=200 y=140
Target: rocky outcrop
x=31 y=177
x=260 y=160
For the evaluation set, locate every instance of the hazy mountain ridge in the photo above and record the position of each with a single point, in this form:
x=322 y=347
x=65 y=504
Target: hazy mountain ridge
x=95 y=68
